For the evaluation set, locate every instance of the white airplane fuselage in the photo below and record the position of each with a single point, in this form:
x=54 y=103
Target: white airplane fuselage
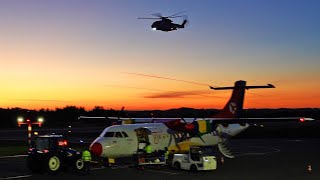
x=160 y=136
x=125 y=140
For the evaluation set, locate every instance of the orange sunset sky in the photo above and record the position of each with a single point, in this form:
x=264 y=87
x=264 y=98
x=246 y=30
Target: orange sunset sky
x=98 y=53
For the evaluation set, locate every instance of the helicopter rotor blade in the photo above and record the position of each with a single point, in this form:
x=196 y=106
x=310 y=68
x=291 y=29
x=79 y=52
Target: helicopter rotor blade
x=157 y=14
x=149 y=18
x=176 y=14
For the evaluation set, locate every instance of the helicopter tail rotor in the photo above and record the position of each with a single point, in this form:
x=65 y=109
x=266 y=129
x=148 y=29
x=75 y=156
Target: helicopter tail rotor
x=185 y=22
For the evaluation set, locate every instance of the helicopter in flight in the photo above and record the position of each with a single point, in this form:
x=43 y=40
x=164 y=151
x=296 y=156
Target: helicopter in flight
x=165 y=23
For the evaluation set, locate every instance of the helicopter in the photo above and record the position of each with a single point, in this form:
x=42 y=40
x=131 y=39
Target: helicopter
x=165 y=23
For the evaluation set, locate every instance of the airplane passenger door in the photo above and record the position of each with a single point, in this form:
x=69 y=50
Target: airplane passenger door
x=142 y=138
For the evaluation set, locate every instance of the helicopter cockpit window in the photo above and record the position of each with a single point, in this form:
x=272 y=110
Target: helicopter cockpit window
x=109 y=134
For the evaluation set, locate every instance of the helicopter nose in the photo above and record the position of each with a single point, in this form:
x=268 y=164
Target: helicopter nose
x=96 y=149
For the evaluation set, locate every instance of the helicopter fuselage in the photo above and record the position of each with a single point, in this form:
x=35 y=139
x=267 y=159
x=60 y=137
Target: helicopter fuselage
x=165 y=25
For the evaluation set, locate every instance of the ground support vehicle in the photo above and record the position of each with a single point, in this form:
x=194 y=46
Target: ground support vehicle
x=155 y=160
x=51 y=153
x=198 y=158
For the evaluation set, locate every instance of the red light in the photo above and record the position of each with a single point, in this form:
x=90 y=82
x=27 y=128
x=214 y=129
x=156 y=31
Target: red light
x=302 y=119
x=63 y=143
x=28 y=120
x=45 y=151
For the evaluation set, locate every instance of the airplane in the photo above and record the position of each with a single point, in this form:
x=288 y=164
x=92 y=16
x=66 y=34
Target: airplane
x=178 y=134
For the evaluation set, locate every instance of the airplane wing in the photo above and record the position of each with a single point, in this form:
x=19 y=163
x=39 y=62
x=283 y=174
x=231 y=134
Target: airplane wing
x=215 y=120
x=137 y=120
x=258 y=120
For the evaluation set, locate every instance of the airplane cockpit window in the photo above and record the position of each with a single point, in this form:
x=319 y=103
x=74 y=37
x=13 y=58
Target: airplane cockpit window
x=109 y=134
x=124 y=134
x=118 y=135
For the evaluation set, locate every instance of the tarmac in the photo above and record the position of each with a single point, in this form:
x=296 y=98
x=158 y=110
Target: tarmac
x=255 y=159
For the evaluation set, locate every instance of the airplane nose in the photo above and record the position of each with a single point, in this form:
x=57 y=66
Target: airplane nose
x=96 y=149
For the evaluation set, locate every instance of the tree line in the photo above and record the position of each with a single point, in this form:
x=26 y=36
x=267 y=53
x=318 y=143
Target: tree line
x=69 y=115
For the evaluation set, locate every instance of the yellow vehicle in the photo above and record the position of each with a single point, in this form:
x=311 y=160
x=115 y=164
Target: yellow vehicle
x=199 y=158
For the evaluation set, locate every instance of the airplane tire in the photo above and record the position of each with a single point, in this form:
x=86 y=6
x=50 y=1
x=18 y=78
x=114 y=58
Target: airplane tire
x=105 y=163
x=177 y=166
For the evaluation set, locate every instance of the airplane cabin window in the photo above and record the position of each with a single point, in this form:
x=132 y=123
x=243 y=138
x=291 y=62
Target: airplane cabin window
x=118 y=135
x=109 y=134
x=124 y=134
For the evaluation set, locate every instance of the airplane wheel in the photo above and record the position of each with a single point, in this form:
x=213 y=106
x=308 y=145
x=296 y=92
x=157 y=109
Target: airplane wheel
x=177 y=166
x=105 y=163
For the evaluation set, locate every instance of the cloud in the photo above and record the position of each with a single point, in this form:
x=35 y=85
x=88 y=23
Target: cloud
x=170 y=94
x=177 y=94
x=161 y=77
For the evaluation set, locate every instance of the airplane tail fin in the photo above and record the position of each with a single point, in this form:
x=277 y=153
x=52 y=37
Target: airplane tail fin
x=234 y=107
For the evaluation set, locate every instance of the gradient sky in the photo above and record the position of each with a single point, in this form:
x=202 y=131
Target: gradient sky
x=57 y=53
